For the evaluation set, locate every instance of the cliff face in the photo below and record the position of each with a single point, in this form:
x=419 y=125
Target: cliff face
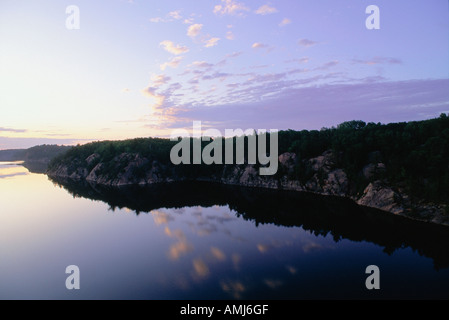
x=323 y=177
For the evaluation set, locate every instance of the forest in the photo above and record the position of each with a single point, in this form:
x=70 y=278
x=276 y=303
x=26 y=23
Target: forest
x=415 y=154
x=42 y=153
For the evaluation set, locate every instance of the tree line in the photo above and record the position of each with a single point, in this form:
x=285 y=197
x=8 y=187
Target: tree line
x=415 y=154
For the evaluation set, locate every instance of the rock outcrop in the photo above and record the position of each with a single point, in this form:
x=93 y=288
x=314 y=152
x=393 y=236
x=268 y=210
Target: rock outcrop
x=382 y=197
x=323 y=177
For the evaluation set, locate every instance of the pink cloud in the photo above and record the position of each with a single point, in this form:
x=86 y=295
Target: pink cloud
x=194 y=30
x=173 y=63
x=285 y=22
x=266 y=9
x=172 y=48
x=230 y=7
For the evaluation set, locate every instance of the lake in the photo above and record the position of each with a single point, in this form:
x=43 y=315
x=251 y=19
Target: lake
x=204 y=241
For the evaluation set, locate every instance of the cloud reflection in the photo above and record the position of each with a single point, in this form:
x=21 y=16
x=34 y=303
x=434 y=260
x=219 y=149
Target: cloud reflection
x=10 y=169
x=218 y=254
x=236 y=259
x=311 y=246
x=273 y=284
x=292 y=269
x=181 y=247
x=201 y=269
x=178 y=249
x=234 y=288
x=3 y=176
x=207 y=224
x=161 y=217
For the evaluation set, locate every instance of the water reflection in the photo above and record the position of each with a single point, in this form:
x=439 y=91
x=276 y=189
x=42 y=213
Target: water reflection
x=11 y=169
x=181 y=247
x=320 y=215
x=36 y=166
x=10 y=175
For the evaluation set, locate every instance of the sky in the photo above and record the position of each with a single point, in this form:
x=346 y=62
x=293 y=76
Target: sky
x=79 y=71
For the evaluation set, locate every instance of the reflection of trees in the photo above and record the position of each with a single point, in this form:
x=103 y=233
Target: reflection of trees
x=319 y=214
x=35 y=166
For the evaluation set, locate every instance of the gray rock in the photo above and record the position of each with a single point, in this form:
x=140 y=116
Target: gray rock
x=287 y=159
x=377 y=195
x=336 y=183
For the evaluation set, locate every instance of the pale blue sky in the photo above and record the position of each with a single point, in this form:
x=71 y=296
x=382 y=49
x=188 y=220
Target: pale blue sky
x=141 y=68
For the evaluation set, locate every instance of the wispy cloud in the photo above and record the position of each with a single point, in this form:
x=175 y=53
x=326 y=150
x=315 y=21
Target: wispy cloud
x=239 y=87
x=171 y=16
x=307 y=42
x=172 y=48
x=234 y=54
x=159 y=80
x=298 y=60
x=157 y=20
x=159 y=100
x=266 y=9
x=201 y=64
x=201 y=68
x=378 y=60
x=217 y=75
x=175 y=15
x=327 y=65
x=285 y=22
x=263 y=66
x=230 y=35
x=3 y=129
x=211 y=42
x=172 y=63
x=258 y=45
x=56 y=134
x=231 y=7
x=308 y=106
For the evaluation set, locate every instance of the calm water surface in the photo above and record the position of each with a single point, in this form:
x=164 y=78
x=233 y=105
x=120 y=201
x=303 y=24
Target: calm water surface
x=206 y=242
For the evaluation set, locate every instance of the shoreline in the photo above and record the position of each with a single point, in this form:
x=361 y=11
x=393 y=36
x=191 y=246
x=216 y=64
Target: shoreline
x=377 y=195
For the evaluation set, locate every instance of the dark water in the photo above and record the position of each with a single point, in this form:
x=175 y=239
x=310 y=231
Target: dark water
x=203 y=241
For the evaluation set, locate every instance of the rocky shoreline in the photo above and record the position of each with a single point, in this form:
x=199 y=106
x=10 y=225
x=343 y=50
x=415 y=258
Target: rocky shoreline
x=324 y=178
